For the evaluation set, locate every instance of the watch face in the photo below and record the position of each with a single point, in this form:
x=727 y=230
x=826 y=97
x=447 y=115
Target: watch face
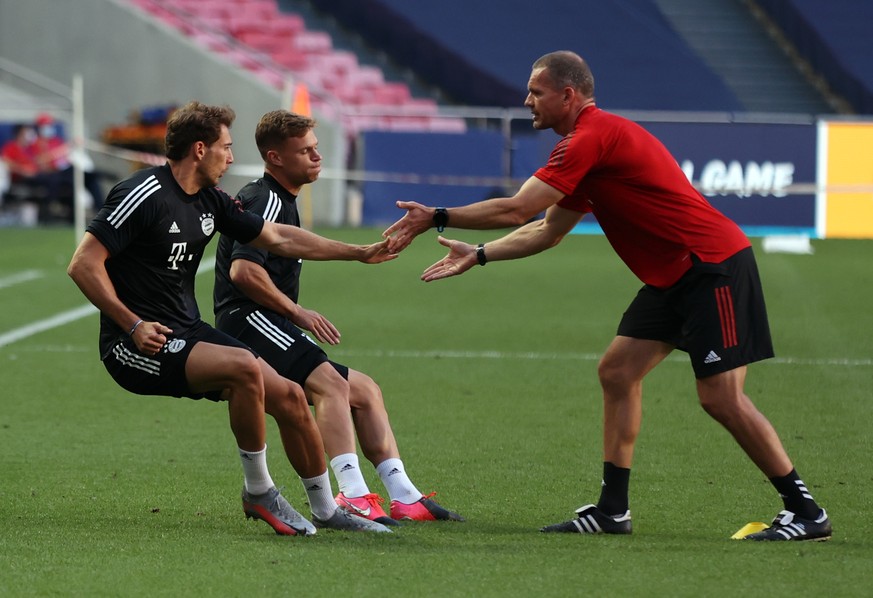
x=440 y=217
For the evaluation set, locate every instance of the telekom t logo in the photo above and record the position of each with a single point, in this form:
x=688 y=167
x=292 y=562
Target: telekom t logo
x=177 y=254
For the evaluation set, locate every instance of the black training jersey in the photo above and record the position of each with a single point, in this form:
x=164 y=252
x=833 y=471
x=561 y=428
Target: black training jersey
x=156 y=234
x=269 y=199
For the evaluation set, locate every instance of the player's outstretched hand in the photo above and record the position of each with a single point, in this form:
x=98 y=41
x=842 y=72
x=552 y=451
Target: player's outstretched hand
x=320 y=327
x=377 y=253
x=461 y=257
x=418 y=218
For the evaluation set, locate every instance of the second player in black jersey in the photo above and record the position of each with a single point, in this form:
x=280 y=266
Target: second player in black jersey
x=137 y=262
x=256 y=301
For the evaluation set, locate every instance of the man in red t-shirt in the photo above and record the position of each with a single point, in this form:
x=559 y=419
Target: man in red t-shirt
x=17 y=156
x=701 y=292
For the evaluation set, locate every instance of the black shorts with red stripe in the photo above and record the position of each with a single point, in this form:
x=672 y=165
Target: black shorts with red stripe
x=715 y=313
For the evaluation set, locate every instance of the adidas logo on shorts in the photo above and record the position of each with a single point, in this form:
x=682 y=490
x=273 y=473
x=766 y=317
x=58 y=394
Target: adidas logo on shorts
x=711 y=358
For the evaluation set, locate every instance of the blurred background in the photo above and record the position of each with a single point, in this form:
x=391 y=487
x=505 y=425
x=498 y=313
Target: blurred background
x=766 y=104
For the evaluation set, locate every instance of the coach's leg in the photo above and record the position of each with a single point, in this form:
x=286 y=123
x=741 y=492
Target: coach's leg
x=621 y=371
x=723 y=398
x=237 y=373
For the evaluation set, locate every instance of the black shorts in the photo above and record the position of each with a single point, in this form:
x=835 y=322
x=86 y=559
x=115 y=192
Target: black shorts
x=164 y=374
x=282 y=344
x=715 y=313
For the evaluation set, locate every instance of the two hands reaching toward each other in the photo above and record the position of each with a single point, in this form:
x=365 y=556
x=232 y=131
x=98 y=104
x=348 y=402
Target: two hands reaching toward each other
x=418 y=219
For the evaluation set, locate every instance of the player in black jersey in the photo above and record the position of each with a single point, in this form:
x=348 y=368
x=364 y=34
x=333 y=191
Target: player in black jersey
x=136 y=264
x=255 y=299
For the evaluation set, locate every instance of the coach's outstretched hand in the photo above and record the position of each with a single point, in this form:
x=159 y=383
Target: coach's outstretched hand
x=461 y=257
x=377 y=253
x=418 y=218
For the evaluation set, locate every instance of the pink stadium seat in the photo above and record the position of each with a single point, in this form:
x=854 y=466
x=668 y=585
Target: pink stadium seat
x=339 y=63
x=313 y=42
x=285 y=24
x=264 y=42
x=391 y=93
x=264 y=9
x=290 y=59
x=366 y=77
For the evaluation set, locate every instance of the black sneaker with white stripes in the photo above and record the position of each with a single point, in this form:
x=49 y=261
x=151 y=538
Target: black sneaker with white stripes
x=591 y=520
x=788 y=526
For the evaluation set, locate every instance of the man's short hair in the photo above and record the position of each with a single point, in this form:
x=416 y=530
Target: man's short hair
x=277 y=126
x=195 y=122
x=568 y=69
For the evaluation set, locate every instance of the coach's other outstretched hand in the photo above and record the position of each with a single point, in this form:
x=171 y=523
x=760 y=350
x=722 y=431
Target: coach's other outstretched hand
x=461 y=257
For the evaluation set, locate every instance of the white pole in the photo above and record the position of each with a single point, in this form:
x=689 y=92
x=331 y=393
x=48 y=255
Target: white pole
x=78 y=150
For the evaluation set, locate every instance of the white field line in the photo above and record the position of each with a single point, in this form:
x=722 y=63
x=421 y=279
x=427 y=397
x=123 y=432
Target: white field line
x=505 y=355
x=209 y=264
x=7 y=338
x=19 y=277
x=678 y=356
x=60 y=319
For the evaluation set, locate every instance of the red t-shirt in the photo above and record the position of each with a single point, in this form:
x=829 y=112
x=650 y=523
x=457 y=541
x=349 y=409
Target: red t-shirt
x=21 y=161
x=651 y=214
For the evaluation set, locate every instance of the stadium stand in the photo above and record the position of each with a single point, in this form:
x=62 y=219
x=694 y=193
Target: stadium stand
x=484 y=57
x=729 y=36
x=277 y=46
x=834 y=37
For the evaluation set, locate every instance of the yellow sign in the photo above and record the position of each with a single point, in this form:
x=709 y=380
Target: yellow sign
x=849 y=181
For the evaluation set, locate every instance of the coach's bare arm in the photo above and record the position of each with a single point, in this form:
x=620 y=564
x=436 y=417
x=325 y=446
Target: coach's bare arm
x=533 y=197
x=530 y=239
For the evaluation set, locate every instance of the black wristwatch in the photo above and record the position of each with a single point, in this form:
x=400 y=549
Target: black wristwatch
x=440 y=219
x=480 y=254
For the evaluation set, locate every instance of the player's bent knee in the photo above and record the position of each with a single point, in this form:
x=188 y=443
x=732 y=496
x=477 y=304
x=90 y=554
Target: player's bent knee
x=287 y=402
x=364 y=392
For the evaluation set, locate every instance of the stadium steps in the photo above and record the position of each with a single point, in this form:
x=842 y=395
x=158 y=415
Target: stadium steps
x=729 y=38
x=277 y=44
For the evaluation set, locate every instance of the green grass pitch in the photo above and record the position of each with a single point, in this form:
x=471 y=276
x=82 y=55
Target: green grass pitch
x=490 y=381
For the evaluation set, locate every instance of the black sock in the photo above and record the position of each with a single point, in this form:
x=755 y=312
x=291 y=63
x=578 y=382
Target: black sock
x=796 y=497
x=613 y=492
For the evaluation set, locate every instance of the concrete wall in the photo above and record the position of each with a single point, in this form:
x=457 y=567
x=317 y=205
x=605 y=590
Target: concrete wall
x=128 y=62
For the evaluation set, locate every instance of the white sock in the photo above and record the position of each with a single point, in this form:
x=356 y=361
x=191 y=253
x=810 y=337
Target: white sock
x=397 y=483
x=320 y=495
x=257 y=476
x=348 y=475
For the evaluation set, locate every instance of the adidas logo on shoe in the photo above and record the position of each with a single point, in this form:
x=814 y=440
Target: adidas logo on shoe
x=711 y=358
x=591 y=520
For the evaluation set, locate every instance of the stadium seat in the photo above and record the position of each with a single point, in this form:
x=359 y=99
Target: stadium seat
x=313 y=42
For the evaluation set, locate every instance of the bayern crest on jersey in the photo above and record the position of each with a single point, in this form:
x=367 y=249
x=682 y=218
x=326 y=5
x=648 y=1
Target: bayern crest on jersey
x=207 y=224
